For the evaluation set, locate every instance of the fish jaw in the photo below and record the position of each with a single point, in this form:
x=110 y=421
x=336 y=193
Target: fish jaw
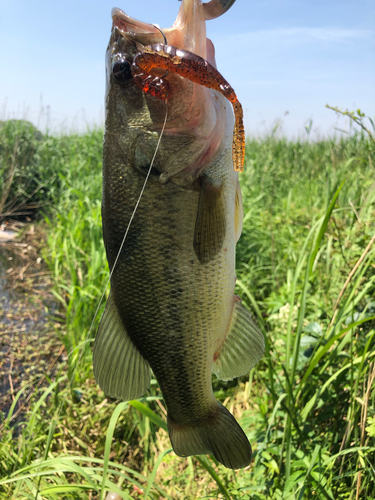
x=194 y=112
x=188 y=31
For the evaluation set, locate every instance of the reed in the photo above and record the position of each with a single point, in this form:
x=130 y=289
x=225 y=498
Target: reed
x=305 y=268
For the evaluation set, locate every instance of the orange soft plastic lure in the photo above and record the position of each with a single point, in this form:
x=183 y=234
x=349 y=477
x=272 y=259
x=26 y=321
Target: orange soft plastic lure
x=196 y=69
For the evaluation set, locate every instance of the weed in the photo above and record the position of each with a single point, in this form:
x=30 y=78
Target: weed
x=305 y=267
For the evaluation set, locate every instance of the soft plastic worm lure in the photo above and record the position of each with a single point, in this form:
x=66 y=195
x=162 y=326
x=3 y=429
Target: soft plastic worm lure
x=196 y=69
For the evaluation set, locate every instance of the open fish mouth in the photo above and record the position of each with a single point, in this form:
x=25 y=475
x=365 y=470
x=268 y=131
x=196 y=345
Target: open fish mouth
x=184 y=50
x=188 y=31
x=144 y=33
x=212 y=10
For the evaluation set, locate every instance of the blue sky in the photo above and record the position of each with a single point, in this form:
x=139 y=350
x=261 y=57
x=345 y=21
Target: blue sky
x=279 y=55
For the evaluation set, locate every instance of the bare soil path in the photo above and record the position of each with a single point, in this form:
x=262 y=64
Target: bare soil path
x=30 y=348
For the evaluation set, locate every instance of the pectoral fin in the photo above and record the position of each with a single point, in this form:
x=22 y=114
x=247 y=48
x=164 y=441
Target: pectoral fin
x=242 y=348
x=210 y=225
x=119 y=368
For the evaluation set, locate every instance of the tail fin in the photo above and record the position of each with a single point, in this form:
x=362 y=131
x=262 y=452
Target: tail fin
x=219 y=435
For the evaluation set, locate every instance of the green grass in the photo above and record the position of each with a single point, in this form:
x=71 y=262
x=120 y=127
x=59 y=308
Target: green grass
x=34 y=168
x=308 y=408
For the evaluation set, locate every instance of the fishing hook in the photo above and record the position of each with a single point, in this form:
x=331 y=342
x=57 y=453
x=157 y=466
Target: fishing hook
x=162 y=32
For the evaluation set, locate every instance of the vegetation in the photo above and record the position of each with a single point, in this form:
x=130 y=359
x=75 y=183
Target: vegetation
x=305 y=268
x=27 y=168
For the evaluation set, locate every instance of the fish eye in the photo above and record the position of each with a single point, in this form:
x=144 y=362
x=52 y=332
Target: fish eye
x=121 y=70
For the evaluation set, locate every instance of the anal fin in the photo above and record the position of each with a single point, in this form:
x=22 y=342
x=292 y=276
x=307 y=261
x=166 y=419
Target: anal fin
x=119 y=368
x=242 y=347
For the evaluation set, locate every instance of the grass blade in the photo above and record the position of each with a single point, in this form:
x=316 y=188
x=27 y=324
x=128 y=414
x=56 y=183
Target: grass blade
x=154 y=471
x=147 y=412
x=323 y=228
x=206 y=465
x=111 y=429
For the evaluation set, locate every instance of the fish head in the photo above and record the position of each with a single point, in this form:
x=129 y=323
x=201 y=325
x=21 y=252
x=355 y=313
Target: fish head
x=199 y=122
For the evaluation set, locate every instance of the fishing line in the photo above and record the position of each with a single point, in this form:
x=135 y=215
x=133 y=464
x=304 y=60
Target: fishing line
x=57 y=414
x=123 y=240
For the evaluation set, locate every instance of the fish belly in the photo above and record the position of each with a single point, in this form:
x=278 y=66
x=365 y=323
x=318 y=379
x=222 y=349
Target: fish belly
x=175 y=310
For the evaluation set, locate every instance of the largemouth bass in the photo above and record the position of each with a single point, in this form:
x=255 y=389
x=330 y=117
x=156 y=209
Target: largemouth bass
x=172 y=307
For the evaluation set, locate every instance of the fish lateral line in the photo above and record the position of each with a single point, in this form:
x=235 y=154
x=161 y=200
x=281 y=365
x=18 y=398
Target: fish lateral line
x=194 y=68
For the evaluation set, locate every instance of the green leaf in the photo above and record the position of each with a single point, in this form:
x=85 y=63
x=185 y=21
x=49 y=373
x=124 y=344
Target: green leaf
x=314 y=328
x=323 y=227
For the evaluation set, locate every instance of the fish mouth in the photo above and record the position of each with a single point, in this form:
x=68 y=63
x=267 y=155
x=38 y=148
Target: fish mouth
x=194 y=111
x=138 y=31
x=188 y=31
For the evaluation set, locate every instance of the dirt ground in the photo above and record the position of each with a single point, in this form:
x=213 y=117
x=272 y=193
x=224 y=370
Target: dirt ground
x=30 y=348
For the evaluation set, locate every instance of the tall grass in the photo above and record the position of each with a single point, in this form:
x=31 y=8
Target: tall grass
x=305 y=269
x=31 y=167
x=75 y=251
x=312 y=223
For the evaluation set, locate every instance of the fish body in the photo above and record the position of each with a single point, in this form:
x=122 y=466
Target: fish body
x=172 y=306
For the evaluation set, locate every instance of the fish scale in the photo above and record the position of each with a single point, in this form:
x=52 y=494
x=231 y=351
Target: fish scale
x=143 y=290
x=172 y=307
